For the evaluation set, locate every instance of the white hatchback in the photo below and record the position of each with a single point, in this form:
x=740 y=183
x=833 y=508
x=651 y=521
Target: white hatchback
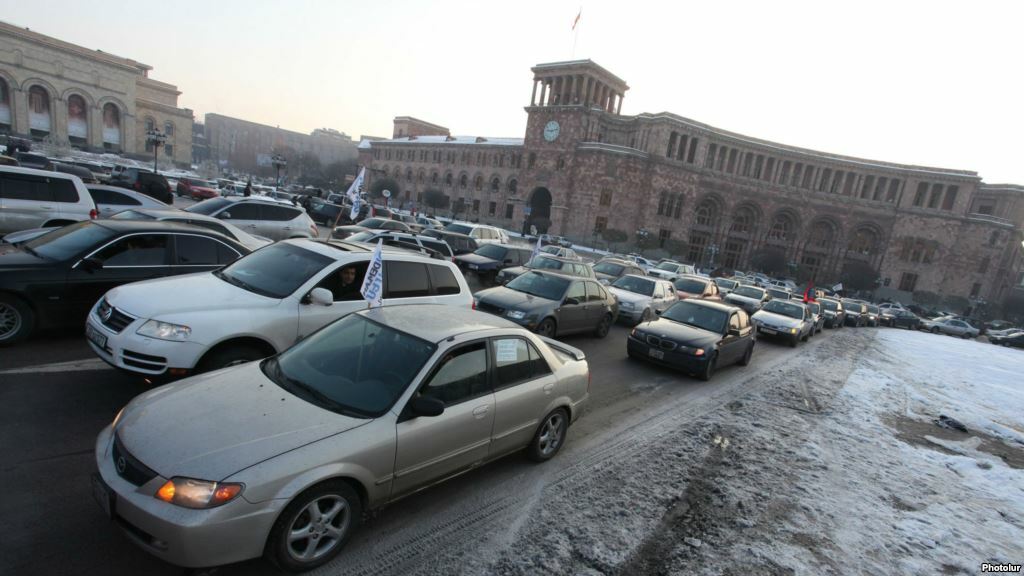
x=257 y=306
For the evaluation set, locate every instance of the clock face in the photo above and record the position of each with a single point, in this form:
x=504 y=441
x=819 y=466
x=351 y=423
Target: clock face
x=551 y=131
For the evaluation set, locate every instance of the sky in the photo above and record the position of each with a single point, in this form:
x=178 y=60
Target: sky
x=925 y=83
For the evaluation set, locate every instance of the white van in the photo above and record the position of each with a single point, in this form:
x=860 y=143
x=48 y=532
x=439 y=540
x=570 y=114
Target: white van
x=482 y=233
x=31 y=198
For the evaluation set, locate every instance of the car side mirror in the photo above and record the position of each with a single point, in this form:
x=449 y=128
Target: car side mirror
x=658 y=312
x=571 y=302
x=320 y=297
x=92 y=264
x=426 y=406
x=224 y=216
x=734 y=332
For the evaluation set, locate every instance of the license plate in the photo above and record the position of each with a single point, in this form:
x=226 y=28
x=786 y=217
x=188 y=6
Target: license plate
x=767 y=331
x=656 y=354
x=95 y=337
x=103 y=495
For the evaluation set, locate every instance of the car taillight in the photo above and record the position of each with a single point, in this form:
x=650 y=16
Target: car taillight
x=588 y=381
x=93 y=214
x=137 y=186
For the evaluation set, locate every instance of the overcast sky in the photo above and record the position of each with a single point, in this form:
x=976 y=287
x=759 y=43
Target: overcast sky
x=927 y=83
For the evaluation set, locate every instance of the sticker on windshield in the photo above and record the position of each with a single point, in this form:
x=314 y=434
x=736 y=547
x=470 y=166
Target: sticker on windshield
x=507 y=350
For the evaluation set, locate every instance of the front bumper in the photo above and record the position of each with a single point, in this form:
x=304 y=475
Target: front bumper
x=129 y=351
x=672 y=358
x=770 y=332
x=230 y=533
x=630 y=316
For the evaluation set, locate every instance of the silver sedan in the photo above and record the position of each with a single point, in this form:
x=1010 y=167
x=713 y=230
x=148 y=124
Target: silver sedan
x=281 y=457
x=950 y=326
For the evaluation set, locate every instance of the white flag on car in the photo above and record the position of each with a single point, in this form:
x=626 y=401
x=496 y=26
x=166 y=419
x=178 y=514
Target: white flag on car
x=536 y=249
x=353 y=190
x=838 y=287
x=355 y=209
x=373 y=282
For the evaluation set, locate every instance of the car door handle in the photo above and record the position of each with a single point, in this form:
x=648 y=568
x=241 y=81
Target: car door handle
x=549 y=387
x=481 y=411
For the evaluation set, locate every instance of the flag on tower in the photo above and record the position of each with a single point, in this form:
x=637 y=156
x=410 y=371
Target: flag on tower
x=577 y=20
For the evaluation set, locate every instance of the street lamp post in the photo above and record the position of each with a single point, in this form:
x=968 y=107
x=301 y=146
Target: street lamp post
x=157 y=139
x=713 y=251
x=279 y=162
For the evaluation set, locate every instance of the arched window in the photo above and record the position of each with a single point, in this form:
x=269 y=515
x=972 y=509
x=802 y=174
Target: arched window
x=495 y=184
x=782 y=228
x=707 y=214
x=679 y=207
x=39 y=111
x=743 y=221
x=463 y=181
x=420 y=176
x=408 y=175
x=448 y=179
x=478 y=182
x=865 y=241
x=150 y=124
x=822 y=236
x=78 y=122
x=513 y=186
x=434 y=178
x=168 y=129
x=5 y=105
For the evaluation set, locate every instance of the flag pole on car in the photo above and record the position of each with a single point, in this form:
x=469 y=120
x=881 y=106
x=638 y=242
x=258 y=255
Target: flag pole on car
x=373 y=282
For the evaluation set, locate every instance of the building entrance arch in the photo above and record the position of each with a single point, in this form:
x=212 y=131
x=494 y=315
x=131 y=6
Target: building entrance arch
x=540 y=209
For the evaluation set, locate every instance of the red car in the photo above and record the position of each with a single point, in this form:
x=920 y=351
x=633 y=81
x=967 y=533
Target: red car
x=197 y=189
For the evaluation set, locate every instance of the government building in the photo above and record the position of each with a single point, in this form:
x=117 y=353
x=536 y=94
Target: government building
x=241 y=145
x=61 y=94
x=718 y=197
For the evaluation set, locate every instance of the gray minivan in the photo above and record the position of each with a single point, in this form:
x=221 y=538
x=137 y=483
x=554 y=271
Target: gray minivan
x=273 y=219
x=31 y=198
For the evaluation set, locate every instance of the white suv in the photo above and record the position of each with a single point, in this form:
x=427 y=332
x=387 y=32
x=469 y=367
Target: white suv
x=257 y=306
x=669 y=270
x=267 y=217
x=32 y=198
x=482 y=233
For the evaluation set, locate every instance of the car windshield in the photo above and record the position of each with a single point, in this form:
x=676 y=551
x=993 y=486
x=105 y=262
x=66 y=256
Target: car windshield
x=635 y=284
x=782 y=294
x=690 y=285
x=540 y=285
x=372 y=223
x=854 y=306
x=726 y=283
x=749 y=292
x=609 y=268
x=872 y=309
x=784 y=308
x=132 y=215
x=668 y=266
x=208 y=207
x=829 y=305
x=69 y=241
x=364 y=236
x=815 y=307
x=460 y=228
x=542 y=263
x=348 y=366
x=492 y=251
x=693 y=314
x=275 y=271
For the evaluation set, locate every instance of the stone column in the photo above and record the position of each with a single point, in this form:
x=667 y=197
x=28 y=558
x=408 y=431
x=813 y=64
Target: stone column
x=590 y=92
x=618 y=109
x=543 y=92
x=128 y=143
x=572 y=90
x=19 y=111
x=95 y=127
x=533 y=97
x=59 y=117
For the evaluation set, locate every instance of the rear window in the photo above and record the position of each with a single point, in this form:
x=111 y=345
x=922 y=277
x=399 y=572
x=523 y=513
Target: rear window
x=690 y=285
x=37 y=188
x=443 y=280
x=441 y=247
x=111 y=197
x=460 y=228
x=208 y=207
x=406 y=280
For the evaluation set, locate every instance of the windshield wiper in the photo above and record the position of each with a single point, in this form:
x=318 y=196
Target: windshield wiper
x=300 y=388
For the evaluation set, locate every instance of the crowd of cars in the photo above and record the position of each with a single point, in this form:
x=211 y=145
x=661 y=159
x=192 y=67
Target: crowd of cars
x=238 y=308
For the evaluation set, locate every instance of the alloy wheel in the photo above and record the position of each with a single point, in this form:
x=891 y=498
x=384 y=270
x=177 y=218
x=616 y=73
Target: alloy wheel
x=10 y=321
x=551 y=434
x=319 y=528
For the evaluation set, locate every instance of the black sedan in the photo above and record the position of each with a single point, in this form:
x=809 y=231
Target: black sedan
x=1014 y=339
x=697 y=336
x=55 y=279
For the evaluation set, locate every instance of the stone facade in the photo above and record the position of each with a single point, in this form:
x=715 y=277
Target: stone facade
x=238 y=144
x=582 y=167
x=65 y=94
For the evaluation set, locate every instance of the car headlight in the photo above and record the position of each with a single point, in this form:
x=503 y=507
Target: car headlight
x=164 y=330
x=792 y=330
x=516 y=314
x=626 y=305
x=199 y=494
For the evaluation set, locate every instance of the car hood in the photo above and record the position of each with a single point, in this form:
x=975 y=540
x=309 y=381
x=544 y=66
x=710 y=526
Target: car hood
x=204 y=189
x=507 y=298
x=627 y=296
x=476 y=259
x=514 y=271
x=200 y=292
x=775 y=319
x=682 y=333
x=214 y=425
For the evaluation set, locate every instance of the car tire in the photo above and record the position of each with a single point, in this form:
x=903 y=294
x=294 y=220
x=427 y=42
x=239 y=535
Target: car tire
x=17 y=320
x=745 y=360
x=602 y=328
x=807 y=337
x=709 y=368
x=794 y=341
x=550 y=436
x=935 y=330
x=547 y=327
x=231 y=355
x=297 y=516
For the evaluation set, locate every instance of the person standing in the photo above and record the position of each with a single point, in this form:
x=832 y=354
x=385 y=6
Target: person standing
x=248 y=189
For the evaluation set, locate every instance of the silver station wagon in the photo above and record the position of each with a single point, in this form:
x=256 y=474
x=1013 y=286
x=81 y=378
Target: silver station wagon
x=281 y=457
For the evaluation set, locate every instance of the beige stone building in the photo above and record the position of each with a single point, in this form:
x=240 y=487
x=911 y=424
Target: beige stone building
x=65 y=94
x=247 y=146
x=716 y=196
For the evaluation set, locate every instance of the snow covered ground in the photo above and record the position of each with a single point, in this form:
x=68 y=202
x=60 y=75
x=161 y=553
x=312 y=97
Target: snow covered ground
x=829 y=463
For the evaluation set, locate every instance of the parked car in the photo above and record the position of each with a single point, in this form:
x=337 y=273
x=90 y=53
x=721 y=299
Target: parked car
x=196 y=188
x=697 y=336
x=817 y=317
x=890 y=306
x=31 y=198
x=856 y=312
x=460 y=243
x=369 y=224
x=561 y=252
x=696 y=287
x=345 y=429
x=55 y=279
x=428 y=223
x=32 y=160
x=642 y=298
x=1012 y=338
x=995 y=325
x=898 y=318
x=266 y=217
x=787 y=285
x=546 y=262
x=640 y=261
x=726 y=285
x=427 y=245
x=791 y=321
x=835 y=312
x=777 y=293
x=669 y=270
x=482 y=233
x=873 y=315
x=111 y=199
x=145 y=181
x=327 y=213
x=257 y=306
x=950 y=326
x=409 y=221
x=552 y=304
x=608 y=270
x=84 y=174
x=548 y=239
x=490 y=259
x=749 y=298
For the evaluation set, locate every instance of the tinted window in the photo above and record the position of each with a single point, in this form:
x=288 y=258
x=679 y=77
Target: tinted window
x=197 y=250
x=693 y=314
x=443 y=280
x=608 y=268
x=641 y=286
x=278 y=213
x=492 y=251
x=242 y=211
x=577 y=291
x=63 y=190
x=441 y=247
x=208 y=207
x=749 y=292
x=785 y=309
x=275 y=271
x=70 y=240
x=204 y=224
x=111 y=197
x=511 y=362
x=24 y=187
x=461 y=375
x=460 y=228
x=405 y=280
x=136 y=250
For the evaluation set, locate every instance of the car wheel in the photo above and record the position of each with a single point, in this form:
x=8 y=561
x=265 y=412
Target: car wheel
x=547 y=328
x=794 y=341
x=314 y=527
x=602 y=328
x=746 y=356
x=16 y=319
x=232 y=355
x=806 y=337
x=709 y=368
x=550 y=436
x=935 y=330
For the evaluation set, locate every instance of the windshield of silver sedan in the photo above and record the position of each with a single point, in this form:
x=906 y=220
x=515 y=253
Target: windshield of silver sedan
x=349 y=368
x=784 y=309
x=635 y=285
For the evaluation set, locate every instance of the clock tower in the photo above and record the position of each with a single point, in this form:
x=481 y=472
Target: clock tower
x=569 y=105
